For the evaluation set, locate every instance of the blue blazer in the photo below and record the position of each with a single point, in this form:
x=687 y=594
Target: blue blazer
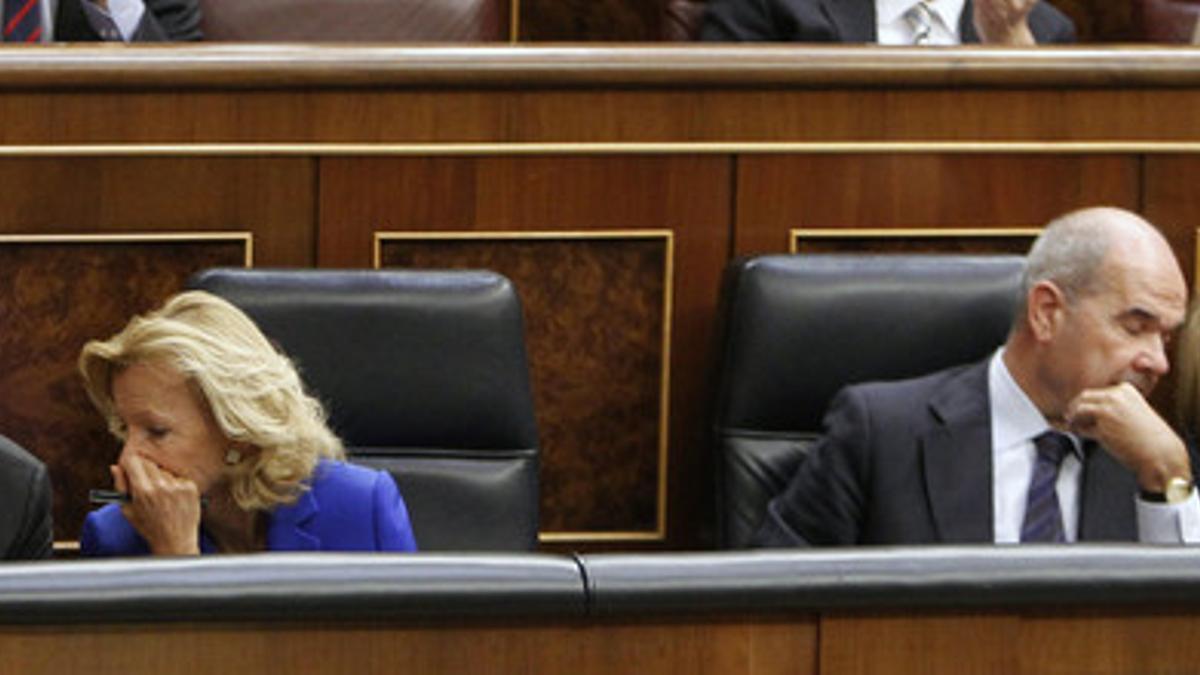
x=347 y=508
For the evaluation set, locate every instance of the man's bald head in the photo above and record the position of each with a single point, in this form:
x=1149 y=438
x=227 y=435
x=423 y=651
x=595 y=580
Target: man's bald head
x=1073 y=249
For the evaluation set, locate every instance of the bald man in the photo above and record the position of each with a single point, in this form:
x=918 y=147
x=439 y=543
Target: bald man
x=1049 y=440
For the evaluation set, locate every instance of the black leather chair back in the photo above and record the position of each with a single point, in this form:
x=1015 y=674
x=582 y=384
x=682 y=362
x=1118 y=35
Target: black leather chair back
x=799 y=328
x=384 y=21
x=424 y=374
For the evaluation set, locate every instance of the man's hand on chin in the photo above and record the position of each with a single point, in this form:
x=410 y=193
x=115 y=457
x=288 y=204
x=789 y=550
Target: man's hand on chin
x=1004 y=22
x=1120 y=419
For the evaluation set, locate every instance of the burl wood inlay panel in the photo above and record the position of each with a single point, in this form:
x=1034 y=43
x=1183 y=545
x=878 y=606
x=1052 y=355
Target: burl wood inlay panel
x=594 y=312
x=54 y=297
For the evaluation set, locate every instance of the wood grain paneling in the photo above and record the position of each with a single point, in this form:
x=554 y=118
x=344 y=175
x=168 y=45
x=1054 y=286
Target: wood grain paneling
x=812 y=111
x=1076 y=642
x=686 y=195
x=777 y=194
x=270 y=198
x=1172 y=202
x=969 y=643
x=595 y=315
x=1096 y=641
x=718 y=647
x=1108 y=642
x=54 y=297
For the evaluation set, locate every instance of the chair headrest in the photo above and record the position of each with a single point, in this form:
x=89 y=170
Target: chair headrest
x=402 y=358
x=801 y=327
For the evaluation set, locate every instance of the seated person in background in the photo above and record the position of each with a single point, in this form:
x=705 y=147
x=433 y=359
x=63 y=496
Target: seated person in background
x=223 y=450
x=101 y=20
x=1049 y=439
x=887 y=22
x=25 y=530
x=1187 y=393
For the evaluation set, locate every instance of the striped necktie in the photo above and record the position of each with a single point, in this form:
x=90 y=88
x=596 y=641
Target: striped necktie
x=22 y=21
x=1043 y=517
x=921 y=17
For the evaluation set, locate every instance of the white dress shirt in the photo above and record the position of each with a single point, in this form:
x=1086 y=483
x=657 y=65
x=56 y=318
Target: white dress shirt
x=894 y=28
x=1015 y=423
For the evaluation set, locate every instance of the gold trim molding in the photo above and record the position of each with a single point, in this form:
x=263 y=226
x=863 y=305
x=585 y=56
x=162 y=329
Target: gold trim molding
x=796 y=235
x=600 y=148
x=659 y=532
x=514 y=21
x=245 y=238
x=614 y=537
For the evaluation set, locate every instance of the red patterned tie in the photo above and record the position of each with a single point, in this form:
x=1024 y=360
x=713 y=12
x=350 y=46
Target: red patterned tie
x=22 y=21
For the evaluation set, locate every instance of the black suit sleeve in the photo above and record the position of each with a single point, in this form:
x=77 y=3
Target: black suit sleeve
x=739 y=21
x=1050 y=26
x=169 y=21
x=823 y=504
x=25 y=503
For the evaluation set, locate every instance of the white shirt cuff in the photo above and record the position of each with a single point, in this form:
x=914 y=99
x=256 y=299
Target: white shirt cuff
x=1169 y=523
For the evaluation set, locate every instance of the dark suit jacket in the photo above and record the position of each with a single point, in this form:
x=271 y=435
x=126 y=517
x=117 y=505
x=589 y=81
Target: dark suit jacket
x=840 y=21
x=910 y=462
x=163 y=21
x=347 y=508
x=25 y=531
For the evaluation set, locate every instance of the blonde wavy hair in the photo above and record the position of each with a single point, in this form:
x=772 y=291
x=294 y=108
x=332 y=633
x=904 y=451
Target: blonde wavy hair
x=253 y=392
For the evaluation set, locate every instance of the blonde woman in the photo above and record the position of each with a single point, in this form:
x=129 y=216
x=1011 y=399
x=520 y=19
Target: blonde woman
x=223 y=451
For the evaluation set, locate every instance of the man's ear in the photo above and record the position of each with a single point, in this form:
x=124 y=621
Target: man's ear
x=1044 y=310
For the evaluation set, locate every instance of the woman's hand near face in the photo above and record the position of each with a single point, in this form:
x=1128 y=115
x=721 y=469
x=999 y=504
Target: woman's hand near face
x=165 y=509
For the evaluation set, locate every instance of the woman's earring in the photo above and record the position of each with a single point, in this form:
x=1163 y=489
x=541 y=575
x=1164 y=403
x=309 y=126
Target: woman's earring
x=232 y=456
